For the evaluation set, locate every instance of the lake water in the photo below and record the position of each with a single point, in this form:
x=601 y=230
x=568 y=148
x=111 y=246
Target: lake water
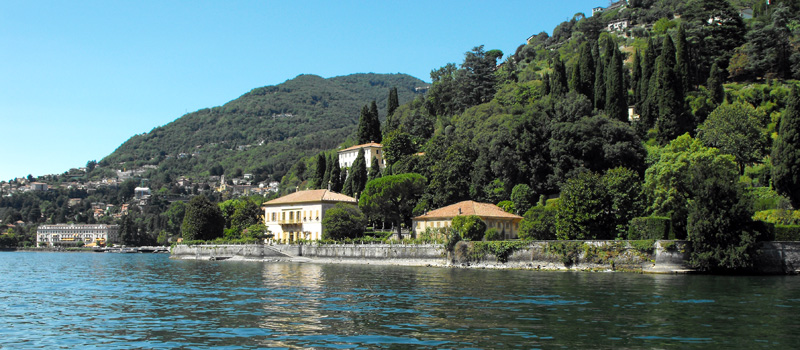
x=123 y=301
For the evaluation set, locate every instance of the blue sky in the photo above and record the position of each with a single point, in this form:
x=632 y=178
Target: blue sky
x=78 y=78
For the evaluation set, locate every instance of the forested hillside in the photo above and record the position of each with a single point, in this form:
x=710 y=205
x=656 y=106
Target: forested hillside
x=264 y=131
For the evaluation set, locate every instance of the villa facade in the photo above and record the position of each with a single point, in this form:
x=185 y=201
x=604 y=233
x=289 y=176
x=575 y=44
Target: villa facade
x=299 y=215
x=494 y=217
x=371 y=150
x=90 y=235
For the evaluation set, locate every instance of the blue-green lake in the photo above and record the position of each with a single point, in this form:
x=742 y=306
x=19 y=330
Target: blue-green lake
x=124 y=301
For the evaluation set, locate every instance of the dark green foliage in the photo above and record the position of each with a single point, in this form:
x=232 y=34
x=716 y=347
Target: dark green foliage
x=787 y=232
x=358 y=174
x=636 y=77
x=714 y=84
x=343 y=221
x=203 y=220
x=398 y=145
x=392 y=198
x=682 y=59
x=616 y=104
x=786 y=152
x=673 y=120
x=600 y=84
x=539 y=223
x=374 y=170
x=587 y=70
x=523 y=197
x=713 y=29
x=322 y=166
x=392 y=103
x=492 y=234
x=651 y=227
x=558 y=80
x=455 y=90
x=369 y=127
x=719 y=222
x=470 y=227
x=337 y=178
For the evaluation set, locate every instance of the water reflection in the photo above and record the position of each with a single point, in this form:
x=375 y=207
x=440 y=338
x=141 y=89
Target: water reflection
x=116 y=301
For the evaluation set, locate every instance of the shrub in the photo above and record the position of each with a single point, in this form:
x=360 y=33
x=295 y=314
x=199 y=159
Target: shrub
x=492 y=235
x=652 y=227
x=779 y=216
x=343 y=221
x=470 y=227
x=539 y=223
x=787 y=232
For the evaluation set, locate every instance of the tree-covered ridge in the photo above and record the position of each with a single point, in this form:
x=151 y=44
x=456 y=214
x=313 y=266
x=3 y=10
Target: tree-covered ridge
x=264 y=131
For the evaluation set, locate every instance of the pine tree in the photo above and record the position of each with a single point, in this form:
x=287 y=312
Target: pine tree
x=392 y=103
x=616 y=97
x=558 y=84
x=322 y=166
x=786 y=151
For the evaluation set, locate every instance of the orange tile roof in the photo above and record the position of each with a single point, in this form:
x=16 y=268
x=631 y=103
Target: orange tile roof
x=484 y=210
x=312 y=196
x=371 y=144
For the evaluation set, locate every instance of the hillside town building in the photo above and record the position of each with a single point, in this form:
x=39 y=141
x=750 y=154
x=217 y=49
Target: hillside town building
x=348 y=155
x=494 y=217
x=62 y=234
x=299 y=215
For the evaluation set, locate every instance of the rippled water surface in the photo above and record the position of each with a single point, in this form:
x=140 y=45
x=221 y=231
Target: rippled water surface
x=123 y=301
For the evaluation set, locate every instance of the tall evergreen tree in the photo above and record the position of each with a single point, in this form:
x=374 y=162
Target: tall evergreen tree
x=715 y=79
x=575 y=76
x=636 y=77
x=672 y=121
x=326 y=180
x=558 y=84
x=587 y=71
x=374 y=170
x=616 y=96
x=682 y=59
x=364 y=125
x=600 y=84
x=392 y=103
x=322 y=166
x=358 y=173
x=336 y=178
x=786 y=151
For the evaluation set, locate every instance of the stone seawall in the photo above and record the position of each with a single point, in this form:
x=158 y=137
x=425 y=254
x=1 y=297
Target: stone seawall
x=664 y=257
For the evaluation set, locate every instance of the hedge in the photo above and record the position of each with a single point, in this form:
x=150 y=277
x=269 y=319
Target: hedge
x=651 y=227
x=787 y=232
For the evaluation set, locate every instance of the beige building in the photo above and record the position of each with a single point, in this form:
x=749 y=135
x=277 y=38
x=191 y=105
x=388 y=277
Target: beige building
x=90 y=235
x=348 y=155
x=299 y=215
x=494 y=217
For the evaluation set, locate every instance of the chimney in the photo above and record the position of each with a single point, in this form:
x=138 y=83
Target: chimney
x=459 y=211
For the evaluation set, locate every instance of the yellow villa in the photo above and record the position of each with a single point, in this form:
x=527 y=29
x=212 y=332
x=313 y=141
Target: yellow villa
x=494 y=217
x=299 y=215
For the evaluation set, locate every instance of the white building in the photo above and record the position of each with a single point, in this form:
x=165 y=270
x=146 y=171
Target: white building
x=348 y=155
x=299 y=215
x=38 y=186
x=90 y=235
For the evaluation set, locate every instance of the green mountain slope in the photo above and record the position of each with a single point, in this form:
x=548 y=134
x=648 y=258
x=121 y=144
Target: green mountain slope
x=263 y=132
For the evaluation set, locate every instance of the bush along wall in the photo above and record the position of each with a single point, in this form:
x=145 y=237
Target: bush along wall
x=787 y=232
x=651 y=227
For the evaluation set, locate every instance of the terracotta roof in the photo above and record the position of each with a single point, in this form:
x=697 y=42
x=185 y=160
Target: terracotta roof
x=486 y=210
x=371 y=144
x=312 y=196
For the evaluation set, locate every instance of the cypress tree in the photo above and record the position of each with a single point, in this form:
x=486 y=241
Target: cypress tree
x=322 y=167
x=374 y=123
x=714 y=83
x=682 y=59
x=392 y=103
x=599 y=84
x=364 y=124
x=348 y=184
x=636 y=77
x=587 y=71
x=616 y=97
x=546 y=84
x=786 y=151
x=358 y=173
x=336 y=178
x=328 y=171
x=575 y=77
x=374 y=170
x=672 y=119
x=558 y=84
